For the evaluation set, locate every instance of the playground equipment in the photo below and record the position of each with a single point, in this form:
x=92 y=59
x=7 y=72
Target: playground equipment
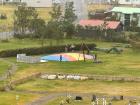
x=66 y=57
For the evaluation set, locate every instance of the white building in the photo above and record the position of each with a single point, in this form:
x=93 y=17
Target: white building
x=127 y=14
x=129 y=2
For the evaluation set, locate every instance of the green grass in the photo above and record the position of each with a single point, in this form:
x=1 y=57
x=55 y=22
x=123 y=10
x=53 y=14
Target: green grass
x=9 y=98
x=89 y=86
x=125 y=64
x=7 y=24
x=3 y=67
x=26 y=43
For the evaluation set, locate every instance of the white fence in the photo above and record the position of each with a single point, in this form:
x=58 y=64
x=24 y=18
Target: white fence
x=6 y=35
x=27 y=59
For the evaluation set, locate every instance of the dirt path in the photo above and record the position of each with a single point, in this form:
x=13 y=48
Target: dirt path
x=12 y=69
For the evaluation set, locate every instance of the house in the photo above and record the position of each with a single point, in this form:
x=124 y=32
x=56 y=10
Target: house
x=126 y=15
x=129 y=2
x=115 y=25
x=98 y=29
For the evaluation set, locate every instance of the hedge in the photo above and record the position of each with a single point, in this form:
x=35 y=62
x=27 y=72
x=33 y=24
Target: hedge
x=40 y=50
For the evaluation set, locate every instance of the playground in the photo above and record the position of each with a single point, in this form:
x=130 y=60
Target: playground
x=67 y=57
x=113 y=64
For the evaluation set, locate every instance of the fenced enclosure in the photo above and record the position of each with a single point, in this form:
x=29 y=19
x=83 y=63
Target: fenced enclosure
x=6 y=35
x=27 y=59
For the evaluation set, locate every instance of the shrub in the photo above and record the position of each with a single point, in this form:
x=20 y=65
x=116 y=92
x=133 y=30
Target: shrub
x=4 y=40
x=40 y=50
x=3 y=16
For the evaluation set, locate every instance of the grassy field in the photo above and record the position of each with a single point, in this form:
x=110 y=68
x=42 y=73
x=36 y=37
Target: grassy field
x=7 y=24
x=96 y=7
x=90 y=86
x=125 y=64
x=9 y=98
x=3 y=67
x=25 y=43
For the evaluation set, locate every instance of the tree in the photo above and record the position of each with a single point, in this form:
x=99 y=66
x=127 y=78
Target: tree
x=69 y=19
x=54 y=26
x=69 y=12
x=22 y=17
x=56 y=13
x=69 y=29
x=38 y=29
x=54 y=31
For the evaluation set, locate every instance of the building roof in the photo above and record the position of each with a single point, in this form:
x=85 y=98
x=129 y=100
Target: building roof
x=94 y=22
x=126 y=10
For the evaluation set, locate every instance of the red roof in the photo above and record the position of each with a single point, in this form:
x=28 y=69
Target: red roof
x=94 y=22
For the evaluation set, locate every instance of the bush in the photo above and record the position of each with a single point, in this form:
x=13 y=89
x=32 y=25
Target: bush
x=40 y=50
x=3 y=16
x=4 y=40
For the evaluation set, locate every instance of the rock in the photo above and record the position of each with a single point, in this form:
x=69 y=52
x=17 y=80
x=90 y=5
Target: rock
x=61 y=76
x=52 y=77
x=70 y=77
x=84 y=78
x=77 y=77
x=45 y=76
